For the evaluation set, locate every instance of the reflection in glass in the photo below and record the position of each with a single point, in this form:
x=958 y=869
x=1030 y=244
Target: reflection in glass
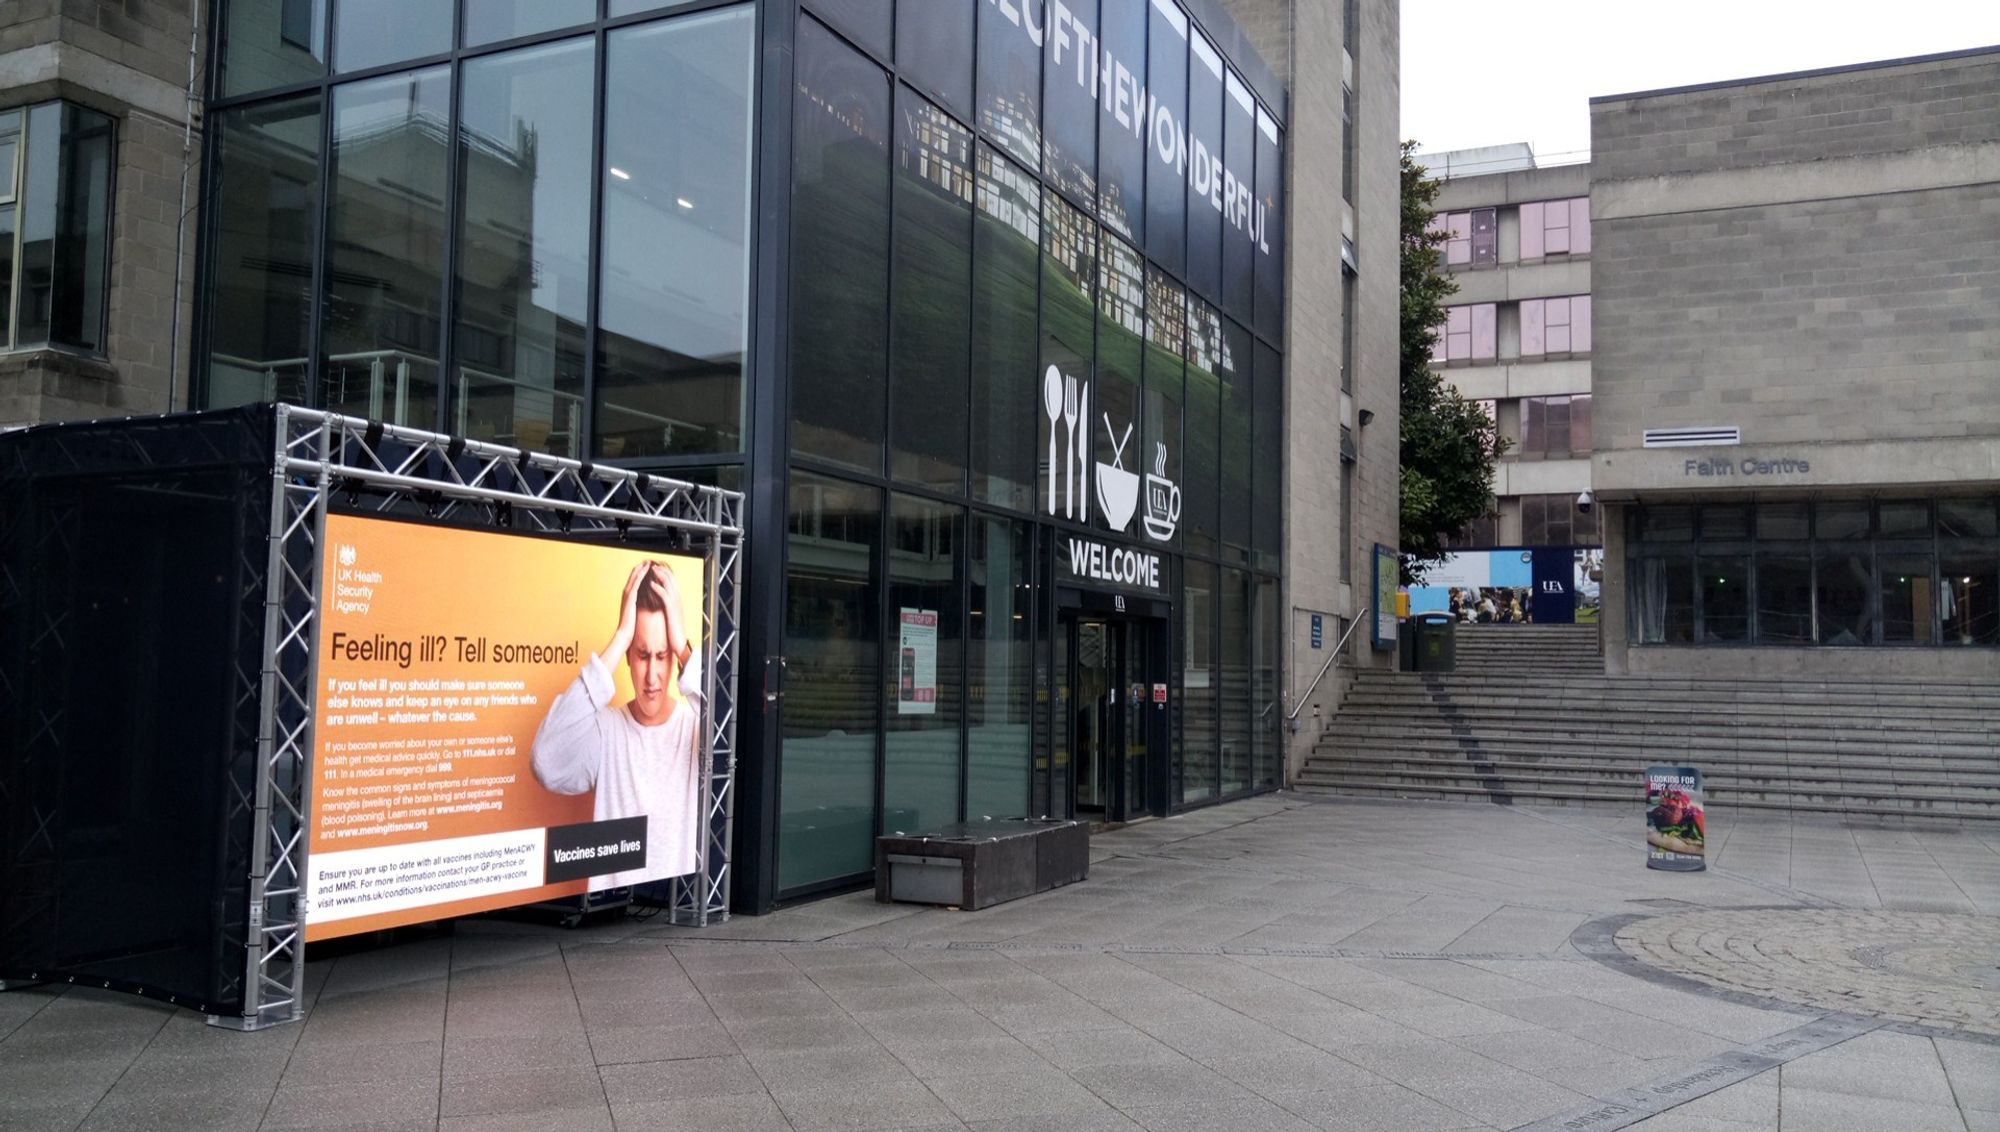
x=1969 y=597
x=1783 y=520
x=840 y=251
x=932 y=301
x=1267 y=713
x=264 y=200
x=934 y=51
x=1267 y=449
x=1010 y=82
x=1909 y=594
x=1844 y=581
x=1204 y=201
x=490 y=21
x=1237 y=708
x=1236 y=459
x=865 y=21
x=1201 y=515
x=1166 y=176
x=1069 y=270
x=920 y=749
x=524 y=247
x=1201 y=727
x=998 y=639
x=373 y=33
x=1239 y=164
x=1117 y=461
x=1841 y=520
x=673 y=283
x=1069 y=91
x=1663 y=600
x=1725 y=598
x=1122 y=122
x=385 y=248
x=1967 y=518
x=1161 y=503
x=1007 y=418
x=1784 y=599
x=826 y=800
x=1269 y=246
x=273 y=43
x=10 y=155
x=65 y=227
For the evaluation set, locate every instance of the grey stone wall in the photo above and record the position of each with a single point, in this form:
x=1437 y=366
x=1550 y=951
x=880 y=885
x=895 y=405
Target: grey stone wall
x=128 y=59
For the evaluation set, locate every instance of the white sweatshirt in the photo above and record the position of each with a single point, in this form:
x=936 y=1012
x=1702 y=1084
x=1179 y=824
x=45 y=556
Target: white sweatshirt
x=584 y=743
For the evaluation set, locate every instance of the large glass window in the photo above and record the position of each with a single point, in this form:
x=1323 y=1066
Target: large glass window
x=840 y=251
x=1908 y=597
x=1069 y=93
x=1010 y=422
x=1069 y=278
x=1725 y=597
x=273 y=43
x=1555 y=326
x=1239 y=197
x=1114 y=414
x=1267 y=458
x=374 y=33
x=1236 y=460
x=931 y=313
x=920 y=748
x=1121 y=121
x=1200 y=684
x=1166 y=176
x=1201 y=492
x=524 y=247
x=1010 y=81
x=1267 y=743
x=677 y=136
x=867 y=22
x=1204 y=201
x=1555 y=227
x=826 y=796
x=998 y=639
x=934 y=51
x=1238 y=707
x=386 y=225
x=1784 y=598
x=490 y=21
x=1160 y=463
x=62 y=214
x=266 y=206
x=1269 y=222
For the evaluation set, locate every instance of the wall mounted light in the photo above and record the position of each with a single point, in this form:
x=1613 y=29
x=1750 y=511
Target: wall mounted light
x=1367 y=416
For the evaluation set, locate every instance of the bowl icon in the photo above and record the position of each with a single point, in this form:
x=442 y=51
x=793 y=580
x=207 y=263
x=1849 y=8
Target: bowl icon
x=1117 y=493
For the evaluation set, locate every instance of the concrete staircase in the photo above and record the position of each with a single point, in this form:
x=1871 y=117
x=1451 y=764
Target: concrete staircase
x=1540 y=737
x=1512 y=649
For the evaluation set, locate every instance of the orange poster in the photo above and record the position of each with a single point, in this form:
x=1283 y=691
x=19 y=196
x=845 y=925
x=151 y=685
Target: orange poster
x=500 y=719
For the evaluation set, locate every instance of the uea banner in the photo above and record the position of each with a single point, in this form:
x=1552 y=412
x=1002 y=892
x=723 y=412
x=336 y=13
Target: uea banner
x=499 y=719
x=1676 y=822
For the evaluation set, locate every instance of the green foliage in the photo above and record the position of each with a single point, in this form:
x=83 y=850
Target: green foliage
x=1448 y=443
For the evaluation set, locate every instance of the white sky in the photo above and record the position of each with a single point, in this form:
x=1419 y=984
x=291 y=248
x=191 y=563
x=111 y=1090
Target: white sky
x=1480 y=72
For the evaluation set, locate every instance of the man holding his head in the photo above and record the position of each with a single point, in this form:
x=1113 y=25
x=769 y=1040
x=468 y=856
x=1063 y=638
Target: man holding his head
x=641 y=759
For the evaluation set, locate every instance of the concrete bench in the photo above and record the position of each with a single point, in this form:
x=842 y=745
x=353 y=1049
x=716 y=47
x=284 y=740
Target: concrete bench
x=979 y=864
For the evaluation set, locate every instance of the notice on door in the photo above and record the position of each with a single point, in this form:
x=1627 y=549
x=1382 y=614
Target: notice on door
x=916 y=680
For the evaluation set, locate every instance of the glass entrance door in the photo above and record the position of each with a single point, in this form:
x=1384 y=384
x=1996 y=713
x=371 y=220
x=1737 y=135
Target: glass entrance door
x=1112 y=734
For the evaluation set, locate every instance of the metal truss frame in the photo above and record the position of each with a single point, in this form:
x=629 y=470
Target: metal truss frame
x=322 y=458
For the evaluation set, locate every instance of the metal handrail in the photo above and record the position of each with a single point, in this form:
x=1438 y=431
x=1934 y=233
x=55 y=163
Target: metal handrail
x=1352 y=624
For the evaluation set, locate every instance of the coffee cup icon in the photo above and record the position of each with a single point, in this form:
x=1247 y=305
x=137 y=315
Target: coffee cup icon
x=1163 y=498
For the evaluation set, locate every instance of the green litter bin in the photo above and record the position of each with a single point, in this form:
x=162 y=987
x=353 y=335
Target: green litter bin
x=1437 y=642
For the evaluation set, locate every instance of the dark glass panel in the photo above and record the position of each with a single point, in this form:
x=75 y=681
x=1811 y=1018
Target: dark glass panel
x=1069 y=271
x=921 y=745
x=998 y=637
x=931 y=318
x=1200 y=683
x=269 y=43
x=1909 y=596
x=1235 y=456
x=373 y=33
x=1204 y=200
x=1667 y=523
x=1069 y=92
x=1784 y=599
x=1239 y=199
x=1909 y=518
x=1663 y=599
x=1725 y=598
x=1010 y=81
x=10 y=155
x=1121 y=119
x=867 y=22
x=1784 y=520
x=1725 y=521
x=1844 y=581
x=1267 y=447
x=524 y=247
x=1841 y=520
x=1267 y=747
x=1010 y=422
x=1114 y=413
x=677 y=134
x=1269 y=226
x=264 y=201
x=934 y=51
x=65 y=228
x=840 y=252
x=1237 y=706
x=1969 y=600
x=1160 y=503
x=826 y=799
x=1166 y=137
x=1201 y=492
x=1966 y=518
x=490 y=21
x=383 y=302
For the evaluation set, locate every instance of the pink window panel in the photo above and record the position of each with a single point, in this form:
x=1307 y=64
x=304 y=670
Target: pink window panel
x=1532 y=329
x=1579 y=424
x=1555 y=228
x=1556 y=325
x=1579 y=226
x=1458 y=242
x=1458 y=332
x=1531 y=231
x=1485 y=331
x=1579 y=320
x=1438 y=343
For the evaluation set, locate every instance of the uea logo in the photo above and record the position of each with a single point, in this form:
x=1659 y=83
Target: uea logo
x=1551 y=586
x=346 y=554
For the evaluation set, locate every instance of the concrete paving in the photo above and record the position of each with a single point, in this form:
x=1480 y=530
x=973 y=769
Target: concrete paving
x=1280 y=963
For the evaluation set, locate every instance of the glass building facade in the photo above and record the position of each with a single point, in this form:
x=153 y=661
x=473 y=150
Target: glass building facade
x=980 y=301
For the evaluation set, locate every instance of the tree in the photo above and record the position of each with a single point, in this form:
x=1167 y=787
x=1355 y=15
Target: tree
x=1449 y=444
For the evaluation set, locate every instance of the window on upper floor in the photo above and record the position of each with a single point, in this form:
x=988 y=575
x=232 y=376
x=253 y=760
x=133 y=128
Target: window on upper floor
x=1469 y=334
x=1554 y=427
x=1472 y=237
x=1555 y=326
x=1555 y=227
x=1554 y=520
x=55 y=226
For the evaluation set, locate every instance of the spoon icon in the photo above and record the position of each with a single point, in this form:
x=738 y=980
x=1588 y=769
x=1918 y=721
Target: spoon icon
x=1052 y=403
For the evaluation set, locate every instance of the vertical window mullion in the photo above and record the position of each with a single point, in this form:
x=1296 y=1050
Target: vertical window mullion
x=585 y=444
x=454 y=216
